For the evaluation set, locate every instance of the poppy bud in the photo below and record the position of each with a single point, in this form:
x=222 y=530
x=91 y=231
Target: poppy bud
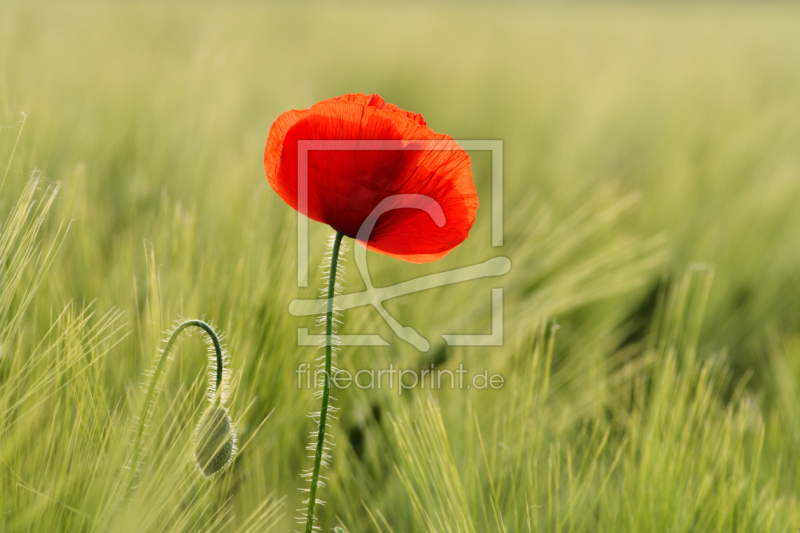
x=215 y=440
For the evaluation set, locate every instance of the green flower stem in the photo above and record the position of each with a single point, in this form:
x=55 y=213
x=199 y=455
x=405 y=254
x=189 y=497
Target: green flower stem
x=151 y=390
x=326 y=391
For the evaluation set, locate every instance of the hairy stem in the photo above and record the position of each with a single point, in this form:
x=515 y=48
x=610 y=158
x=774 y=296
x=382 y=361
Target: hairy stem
x=326 y=391
x=151 y=389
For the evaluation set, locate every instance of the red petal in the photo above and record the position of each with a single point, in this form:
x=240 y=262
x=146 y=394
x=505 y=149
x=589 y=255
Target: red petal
x=345 y=186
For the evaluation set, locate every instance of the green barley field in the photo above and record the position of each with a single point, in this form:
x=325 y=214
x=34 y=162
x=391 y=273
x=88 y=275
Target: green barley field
x=651 y=316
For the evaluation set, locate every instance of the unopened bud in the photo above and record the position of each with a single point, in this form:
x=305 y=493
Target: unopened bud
x=215 y=441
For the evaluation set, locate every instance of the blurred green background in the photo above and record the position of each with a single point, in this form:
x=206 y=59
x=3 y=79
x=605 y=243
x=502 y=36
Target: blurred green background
x=648 y=148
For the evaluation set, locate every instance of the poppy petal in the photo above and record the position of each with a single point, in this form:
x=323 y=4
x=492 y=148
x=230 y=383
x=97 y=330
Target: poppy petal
x=391 y=153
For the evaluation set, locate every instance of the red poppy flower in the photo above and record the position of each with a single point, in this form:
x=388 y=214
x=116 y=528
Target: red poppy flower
x=356 y=155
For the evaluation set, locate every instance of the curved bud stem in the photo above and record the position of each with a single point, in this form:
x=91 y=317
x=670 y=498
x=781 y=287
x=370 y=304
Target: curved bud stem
x=326 y=391
x=151 y=389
